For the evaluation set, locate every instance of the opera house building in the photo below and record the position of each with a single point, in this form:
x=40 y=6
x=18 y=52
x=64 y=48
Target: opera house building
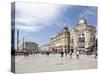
x=81 y=37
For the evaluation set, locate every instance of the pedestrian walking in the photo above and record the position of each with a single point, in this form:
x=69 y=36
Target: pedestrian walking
x=62 y=53
x=70 y=54
x=77 y=55
x=95 y=55
x=48 y=53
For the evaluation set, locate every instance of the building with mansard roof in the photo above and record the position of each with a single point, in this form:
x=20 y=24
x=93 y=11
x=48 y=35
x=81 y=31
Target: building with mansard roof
x=82 y=38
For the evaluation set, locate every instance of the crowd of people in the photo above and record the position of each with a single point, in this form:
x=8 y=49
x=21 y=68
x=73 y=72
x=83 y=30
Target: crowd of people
x=70 y=54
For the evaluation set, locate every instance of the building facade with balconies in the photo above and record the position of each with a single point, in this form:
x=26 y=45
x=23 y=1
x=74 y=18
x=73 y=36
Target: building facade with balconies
x=82 y=38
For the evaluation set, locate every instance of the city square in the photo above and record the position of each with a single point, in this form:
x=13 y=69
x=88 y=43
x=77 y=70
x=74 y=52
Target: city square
x=53 y=62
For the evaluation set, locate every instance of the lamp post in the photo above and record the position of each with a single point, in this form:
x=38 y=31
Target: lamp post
x=23 y=43
x=17 y=40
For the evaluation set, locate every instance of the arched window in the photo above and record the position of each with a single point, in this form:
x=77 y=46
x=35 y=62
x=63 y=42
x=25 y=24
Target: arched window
x=81 y=35
x=94 y=39
x=81 y=38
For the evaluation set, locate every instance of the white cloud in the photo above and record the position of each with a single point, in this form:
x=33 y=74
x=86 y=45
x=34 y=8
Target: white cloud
x=33 y=16
x=29 y=28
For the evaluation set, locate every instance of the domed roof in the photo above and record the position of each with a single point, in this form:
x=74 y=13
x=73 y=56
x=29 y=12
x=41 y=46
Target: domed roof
x=65 y=27
x=82 y=20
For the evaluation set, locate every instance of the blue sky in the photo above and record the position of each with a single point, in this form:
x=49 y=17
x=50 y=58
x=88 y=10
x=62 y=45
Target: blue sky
x=38 y=22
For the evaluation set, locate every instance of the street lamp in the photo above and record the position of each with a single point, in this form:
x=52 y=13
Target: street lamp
x=17 y=40
x=23 y=43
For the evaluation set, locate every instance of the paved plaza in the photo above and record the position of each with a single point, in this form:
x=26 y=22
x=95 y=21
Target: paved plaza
x=53 y=62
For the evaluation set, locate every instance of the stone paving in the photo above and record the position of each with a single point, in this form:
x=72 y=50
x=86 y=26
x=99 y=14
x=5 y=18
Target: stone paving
x=44 y=63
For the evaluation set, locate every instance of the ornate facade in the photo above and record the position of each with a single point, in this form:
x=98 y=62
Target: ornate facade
x=61 y=42
x=82 y=37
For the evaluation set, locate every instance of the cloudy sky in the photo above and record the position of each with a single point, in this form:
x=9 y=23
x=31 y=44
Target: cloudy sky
x=38 y=22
